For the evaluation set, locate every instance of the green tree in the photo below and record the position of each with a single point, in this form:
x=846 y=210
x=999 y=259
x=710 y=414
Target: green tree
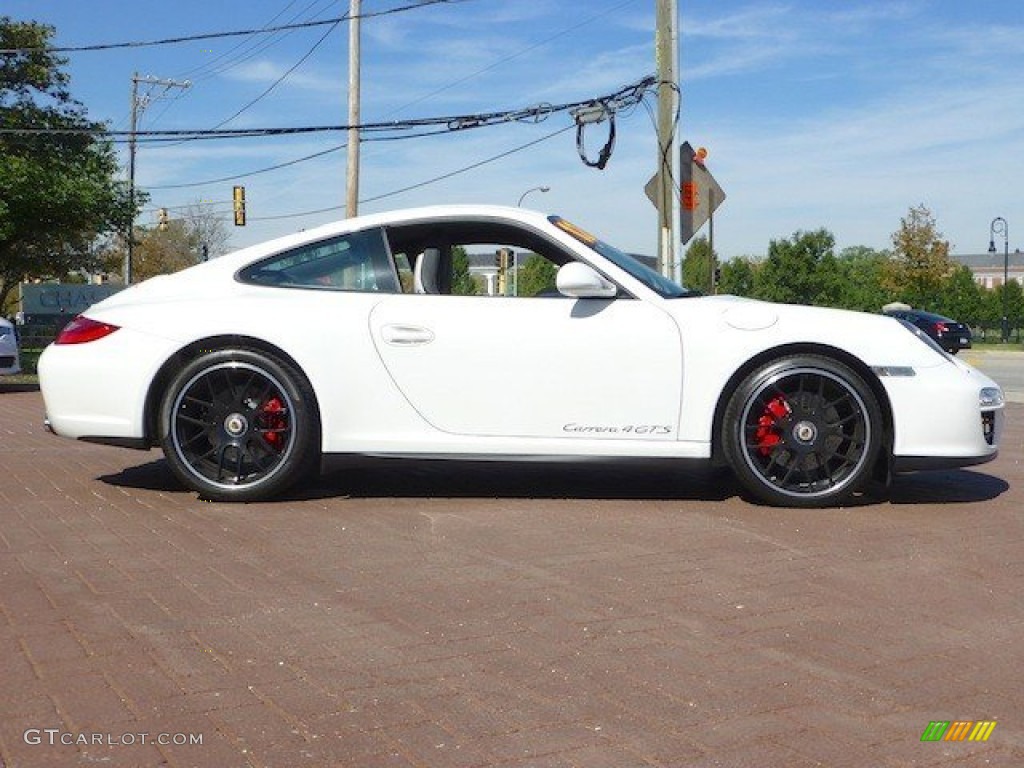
x=181 y=244
x=793 y=272
x=739 y=276
x=921 y=260
x=855 y=279
x=59 y=191
x=463 y=283
x=1011 y=300
x=961 y=297
x=697 y=265
x=536 y=275
x=163 y=251
x=991 y=310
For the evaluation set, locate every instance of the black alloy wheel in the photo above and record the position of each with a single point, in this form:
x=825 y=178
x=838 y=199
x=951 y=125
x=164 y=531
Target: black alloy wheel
x=804 y=431
x=239 y=425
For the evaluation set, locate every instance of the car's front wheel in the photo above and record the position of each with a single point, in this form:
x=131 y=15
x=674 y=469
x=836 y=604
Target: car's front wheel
x=239 y=425
x=803 y=431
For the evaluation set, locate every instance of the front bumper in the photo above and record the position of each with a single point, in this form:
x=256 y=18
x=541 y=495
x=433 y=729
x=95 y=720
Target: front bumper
x=938 y=418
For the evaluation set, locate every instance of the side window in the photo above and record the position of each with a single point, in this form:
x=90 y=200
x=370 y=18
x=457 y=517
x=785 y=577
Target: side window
x=476 y=258
x=358 y=261
x=495 y=269
x=534 y=276
x=404 y=265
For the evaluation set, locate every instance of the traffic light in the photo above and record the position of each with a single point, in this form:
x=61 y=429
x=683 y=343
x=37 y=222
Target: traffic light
x=162 y=219
x=503 y=259
x=239 y=201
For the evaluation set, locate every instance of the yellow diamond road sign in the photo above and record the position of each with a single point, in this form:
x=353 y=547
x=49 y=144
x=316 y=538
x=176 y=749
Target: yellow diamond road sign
x=699 y=193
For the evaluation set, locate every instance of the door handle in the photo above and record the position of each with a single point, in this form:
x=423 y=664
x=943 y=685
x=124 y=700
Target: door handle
x=406 y=335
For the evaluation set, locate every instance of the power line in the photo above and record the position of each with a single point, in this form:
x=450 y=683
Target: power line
x=626 y=106
x=421 y=183
x=520 y=148
x=254 y=49
x=296 y=161
x=283 y=77
x=212 y=35
x=211 y=67
x=516 y=55
x=625 y=98
x=450 y=85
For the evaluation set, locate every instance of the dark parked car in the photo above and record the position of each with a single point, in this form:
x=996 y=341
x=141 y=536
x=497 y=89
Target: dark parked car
x=948 y=334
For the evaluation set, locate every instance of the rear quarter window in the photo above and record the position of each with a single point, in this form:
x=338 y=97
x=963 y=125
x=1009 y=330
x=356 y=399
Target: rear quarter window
x=358 y=261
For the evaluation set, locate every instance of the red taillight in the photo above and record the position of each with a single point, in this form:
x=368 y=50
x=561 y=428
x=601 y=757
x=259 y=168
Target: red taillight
x=82 y=330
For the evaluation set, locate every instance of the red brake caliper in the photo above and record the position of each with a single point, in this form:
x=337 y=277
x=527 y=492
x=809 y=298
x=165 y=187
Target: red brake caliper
x=767 y=435
x=275 y=421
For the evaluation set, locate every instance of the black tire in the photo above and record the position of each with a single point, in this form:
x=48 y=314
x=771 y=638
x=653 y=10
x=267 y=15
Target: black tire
x=239 y=425
x=803 y=431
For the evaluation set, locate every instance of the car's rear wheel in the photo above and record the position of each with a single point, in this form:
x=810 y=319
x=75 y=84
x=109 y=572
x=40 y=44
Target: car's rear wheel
x=803 y=431
x=239 y=425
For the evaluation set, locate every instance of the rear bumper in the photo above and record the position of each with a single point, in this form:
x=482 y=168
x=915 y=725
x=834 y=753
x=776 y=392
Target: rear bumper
x=953 y=342
x=97 y=391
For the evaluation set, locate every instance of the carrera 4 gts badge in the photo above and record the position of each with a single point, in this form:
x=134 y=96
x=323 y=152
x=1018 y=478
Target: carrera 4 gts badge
x=626 y=429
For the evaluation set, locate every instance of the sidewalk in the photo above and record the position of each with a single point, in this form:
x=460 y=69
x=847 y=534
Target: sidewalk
x=423 y=615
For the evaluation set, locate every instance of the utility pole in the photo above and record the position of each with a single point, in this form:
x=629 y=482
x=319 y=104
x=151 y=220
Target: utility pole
x=129 y=251
x=352 y=173
x=711 y=241
x=666 y=54
x=138 y=106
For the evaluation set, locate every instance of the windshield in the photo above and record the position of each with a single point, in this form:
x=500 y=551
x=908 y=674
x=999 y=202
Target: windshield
x=656 y=282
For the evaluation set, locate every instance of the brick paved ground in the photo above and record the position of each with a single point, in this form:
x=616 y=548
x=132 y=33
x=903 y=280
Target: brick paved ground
x=445 y=616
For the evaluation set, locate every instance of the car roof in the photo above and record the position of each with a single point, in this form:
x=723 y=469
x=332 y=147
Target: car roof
x=246 y=255
x=923 y=315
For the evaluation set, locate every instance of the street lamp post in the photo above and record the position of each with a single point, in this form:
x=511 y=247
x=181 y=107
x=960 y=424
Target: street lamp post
x=531 y=189
x=515 y=256
x=1000 y=227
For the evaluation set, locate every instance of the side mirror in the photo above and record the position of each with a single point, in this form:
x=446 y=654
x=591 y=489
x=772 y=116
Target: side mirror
x=580 y=281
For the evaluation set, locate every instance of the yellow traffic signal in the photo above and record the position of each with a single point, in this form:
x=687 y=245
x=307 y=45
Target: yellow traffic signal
x=239 y=202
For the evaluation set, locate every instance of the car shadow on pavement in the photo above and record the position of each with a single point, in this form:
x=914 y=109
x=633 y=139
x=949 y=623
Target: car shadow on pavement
x=658 y=480
x=662 y=479
x=956 y=486
x=151 y=476
x=414 y=478
x=18 y=386
x=365 y=478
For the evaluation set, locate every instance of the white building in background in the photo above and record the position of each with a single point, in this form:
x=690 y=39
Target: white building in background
x=987 y=268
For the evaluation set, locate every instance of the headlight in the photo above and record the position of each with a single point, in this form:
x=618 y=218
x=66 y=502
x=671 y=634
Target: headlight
x=990 y=397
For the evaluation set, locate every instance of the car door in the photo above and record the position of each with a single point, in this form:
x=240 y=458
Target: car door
x=534 y=367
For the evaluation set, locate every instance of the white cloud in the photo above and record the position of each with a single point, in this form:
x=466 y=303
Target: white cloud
x=265 y=72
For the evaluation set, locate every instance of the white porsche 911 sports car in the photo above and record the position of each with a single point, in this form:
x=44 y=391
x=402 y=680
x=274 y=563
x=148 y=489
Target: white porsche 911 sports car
x=370 y=336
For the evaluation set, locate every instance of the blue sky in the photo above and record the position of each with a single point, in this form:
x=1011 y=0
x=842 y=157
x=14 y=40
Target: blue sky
x=815 y=113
